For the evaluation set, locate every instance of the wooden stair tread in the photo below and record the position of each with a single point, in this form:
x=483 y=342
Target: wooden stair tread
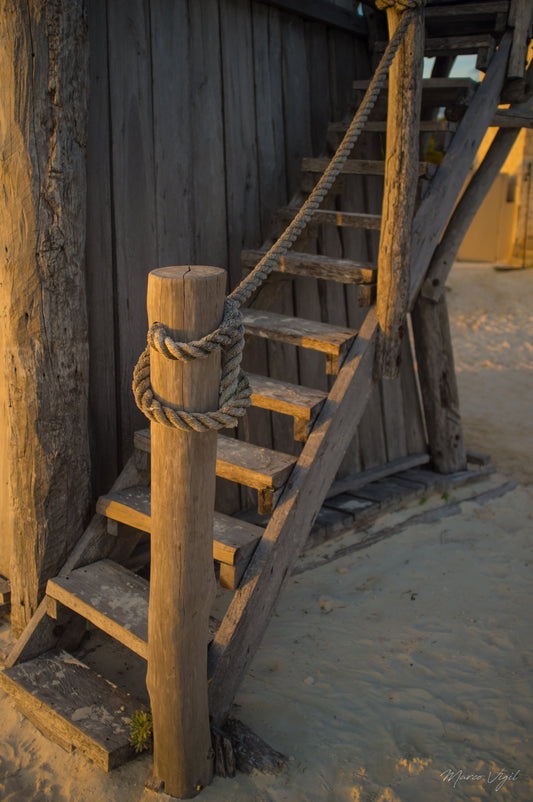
x=443 y=90
x=109 y=596
x=112 y=598
x=336 y=218
x=74 y=706
x=454 y=45
x=290 y=399
x=509 y=118
x=361 y=167
x=346 y=271
x=233 y=540
x=331 y=340
x=252 y=465
x=379 y=126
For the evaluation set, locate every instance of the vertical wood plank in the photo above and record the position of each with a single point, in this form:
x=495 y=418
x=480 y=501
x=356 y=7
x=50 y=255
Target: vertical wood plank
x=172 y=130
x=240 y=136
x=100 y=262
x=133 y=192
x=207 y=133
x=297 y=109
x=414 y=417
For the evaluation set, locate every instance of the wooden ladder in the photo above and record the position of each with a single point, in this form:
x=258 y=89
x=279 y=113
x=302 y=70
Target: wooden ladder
x=253 y=561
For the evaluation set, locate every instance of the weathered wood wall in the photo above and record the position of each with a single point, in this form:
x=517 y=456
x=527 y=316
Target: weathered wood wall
x=200 y=113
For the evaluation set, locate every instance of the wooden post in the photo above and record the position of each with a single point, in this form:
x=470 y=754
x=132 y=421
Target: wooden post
x=189 y=302
x=440 y=396
x=44 y=445
x=400 y=189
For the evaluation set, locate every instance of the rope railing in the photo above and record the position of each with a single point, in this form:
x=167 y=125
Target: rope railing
x=234 y=395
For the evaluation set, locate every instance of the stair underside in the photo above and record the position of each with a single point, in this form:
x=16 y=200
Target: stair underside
x=72 y=705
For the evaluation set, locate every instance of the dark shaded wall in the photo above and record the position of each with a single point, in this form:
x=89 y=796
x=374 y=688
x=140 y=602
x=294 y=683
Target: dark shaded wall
x=200 y=113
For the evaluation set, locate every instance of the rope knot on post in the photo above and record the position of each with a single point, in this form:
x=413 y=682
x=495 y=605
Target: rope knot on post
x=234 y=389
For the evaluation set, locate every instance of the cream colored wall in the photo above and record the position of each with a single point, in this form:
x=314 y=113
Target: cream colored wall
x=490 y=236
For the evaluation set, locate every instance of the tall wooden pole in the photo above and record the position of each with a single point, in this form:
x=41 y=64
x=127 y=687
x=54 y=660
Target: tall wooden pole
x=400 y=189
x=44 y=444
x=189 y=301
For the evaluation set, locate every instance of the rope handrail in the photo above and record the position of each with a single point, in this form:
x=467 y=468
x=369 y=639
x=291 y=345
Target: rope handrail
x=234 y=394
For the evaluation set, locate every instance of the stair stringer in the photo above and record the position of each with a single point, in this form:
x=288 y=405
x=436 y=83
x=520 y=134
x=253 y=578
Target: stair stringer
x=246 y=620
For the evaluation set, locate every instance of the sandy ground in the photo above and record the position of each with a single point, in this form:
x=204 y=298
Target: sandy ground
x=398 y=673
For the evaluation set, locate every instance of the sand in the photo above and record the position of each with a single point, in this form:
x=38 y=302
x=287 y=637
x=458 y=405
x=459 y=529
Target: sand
x=401 y=672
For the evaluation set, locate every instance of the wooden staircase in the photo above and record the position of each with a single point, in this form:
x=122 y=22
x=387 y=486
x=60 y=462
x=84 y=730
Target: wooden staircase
x=253 y=561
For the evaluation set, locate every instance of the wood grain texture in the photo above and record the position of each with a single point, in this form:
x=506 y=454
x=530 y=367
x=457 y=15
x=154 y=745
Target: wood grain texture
x=43 y=312
x=520 y=16
x=74 y=706
x=232 y=539
x=109 y=596
x=134 y=206
x=316 y=265
x=399 y=196
x=189 y=302
x=307 y=334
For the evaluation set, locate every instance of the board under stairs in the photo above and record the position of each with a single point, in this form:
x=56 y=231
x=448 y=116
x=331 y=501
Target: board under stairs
x=299 y=497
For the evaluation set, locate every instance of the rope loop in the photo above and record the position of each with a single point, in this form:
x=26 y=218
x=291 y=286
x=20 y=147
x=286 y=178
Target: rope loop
x=234 y=390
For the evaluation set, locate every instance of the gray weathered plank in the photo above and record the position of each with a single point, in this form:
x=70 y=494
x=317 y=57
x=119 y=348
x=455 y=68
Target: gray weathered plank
x=74 y=706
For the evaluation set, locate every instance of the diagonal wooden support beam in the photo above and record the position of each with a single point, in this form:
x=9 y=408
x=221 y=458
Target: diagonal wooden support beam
x=437 y=206
x=431 y=328
x=249 y=613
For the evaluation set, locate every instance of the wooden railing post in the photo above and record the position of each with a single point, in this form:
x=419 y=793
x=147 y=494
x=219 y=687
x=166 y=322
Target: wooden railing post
x=400 y=189
x=189 y=301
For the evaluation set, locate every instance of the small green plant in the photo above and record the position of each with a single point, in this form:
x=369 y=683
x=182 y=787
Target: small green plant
x=141 y=731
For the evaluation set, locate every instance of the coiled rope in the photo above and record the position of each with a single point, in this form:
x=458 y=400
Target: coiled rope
x=234 y=393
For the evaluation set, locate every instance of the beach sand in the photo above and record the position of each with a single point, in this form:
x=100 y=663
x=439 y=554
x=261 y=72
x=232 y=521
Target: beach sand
x=401 y=672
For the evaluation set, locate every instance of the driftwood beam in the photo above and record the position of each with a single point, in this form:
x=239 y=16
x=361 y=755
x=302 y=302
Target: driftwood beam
x=520 y=19
x=399 y=195
x=44 y=433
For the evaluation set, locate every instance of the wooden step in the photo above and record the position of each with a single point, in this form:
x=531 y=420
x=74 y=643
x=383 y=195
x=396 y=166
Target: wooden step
x=482 y=44
x=233 y=541
x=436 y=91
x=334 y=341
x=302 y=403
x=334 y=218
x=509 y=118
x=245 y=463
x=112 y=598
x=362 y=167
x=74 y=706
x=380 y=126
x=345 y=271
